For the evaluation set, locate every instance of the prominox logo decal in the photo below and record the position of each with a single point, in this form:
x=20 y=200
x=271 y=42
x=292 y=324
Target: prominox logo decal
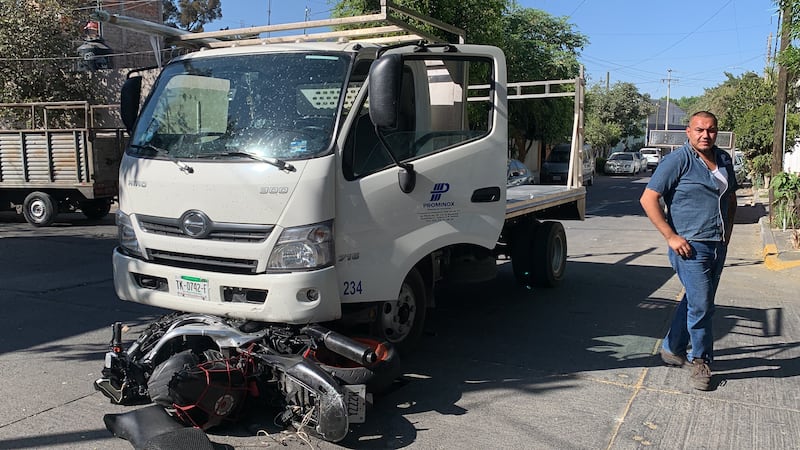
x=438 y=190
x=438 y=207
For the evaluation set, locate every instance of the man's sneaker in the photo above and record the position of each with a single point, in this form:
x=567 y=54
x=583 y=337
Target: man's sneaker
x=700 y=378
x=671 y=359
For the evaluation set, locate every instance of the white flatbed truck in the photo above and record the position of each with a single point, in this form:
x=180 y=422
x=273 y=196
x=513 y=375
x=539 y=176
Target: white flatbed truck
x=294 y=180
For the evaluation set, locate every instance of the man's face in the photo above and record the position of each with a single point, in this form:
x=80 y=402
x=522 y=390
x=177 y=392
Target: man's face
x=702 y=133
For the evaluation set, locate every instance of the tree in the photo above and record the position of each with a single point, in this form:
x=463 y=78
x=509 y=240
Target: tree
x=191 y=15
x=615 y=114
x=537 y=47
x=38 y=41
x=732 y=99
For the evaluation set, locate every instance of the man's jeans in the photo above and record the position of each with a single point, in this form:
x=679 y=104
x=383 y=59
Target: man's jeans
x=699 y=275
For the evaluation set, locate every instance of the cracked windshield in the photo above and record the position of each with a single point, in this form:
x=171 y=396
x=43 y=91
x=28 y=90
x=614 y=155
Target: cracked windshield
x=255 y=106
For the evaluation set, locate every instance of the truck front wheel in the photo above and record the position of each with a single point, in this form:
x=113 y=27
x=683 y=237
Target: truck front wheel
x=401 y=321
x=39 y=209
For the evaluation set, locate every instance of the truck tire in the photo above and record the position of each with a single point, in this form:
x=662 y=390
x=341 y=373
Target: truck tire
x=521 y=253
x=400 y=322
x=39 y=209
x=549 y=254
x=95 y=209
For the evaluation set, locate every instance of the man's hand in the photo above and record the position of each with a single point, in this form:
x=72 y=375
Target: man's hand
x=680 y=246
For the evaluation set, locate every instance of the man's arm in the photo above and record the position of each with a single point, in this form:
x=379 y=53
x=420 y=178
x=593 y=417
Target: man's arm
x=732 y=205
x=652 y=207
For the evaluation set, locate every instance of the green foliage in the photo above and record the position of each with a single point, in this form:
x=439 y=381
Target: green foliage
x=732 y=99
x=38 y=42
x=686 y=103
x=537 y=47
x=614 y=114
x=601 y=135
x=191 y=15
x=786 y=190
x=761 y=164
x=754 y=131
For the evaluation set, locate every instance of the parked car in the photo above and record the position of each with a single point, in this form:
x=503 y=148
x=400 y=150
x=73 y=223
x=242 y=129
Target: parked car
x=652 y=155
x=518 y=173
x=555 y=167
x=640 y=160
x=739 y=168
x=622 y=162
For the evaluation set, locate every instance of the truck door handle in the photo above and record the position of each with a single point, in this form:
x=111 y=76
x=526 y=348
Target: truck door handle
x=486 y=195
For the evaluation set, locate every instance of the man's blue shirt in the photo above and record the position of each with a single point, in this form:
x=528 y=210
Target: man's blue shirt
x=690 y=191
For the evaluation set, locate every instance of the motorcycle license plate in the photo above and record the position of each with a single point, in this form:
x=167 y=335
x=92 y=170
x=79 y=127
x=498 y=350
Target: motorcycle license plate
x=192 y=287
x=356 y=402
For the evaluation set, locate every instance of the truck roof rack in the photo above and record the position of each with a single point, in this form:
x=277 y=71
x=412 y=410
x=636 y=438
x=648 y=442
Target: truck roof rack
x=393 y=24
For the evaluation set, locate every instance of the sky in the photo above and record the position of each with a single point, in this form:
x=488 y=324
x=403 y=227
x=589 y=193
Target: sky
x=677 y=48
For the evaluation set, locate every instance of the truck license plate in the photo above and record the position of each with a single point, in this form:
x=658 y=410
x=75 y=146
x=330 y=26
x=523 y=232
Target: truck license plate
x=192 y=287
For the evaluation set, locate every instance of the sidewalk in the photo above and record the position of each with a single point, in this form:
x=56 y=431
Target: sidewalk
x=778 y=253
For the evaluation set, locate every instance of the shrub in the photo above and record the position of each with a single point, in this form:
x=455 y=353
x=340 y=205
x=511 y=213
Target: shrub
x=786 y=190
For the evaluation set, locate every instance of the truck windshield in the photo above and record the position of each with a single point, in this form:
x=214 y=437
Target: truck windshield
x=270 y=106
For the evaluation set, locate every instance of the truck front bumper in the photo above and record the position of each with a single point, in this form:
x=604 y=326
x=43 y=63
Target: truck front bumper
x=293 y=297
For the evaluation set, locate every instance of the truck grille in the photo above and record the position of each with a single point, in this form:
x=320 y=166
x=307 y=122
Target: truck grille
x=228 y=232
x=201 y=262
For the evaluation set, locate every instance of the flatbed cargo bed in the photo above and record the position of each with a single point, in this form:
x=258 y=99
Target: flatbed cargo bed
x=530 y=198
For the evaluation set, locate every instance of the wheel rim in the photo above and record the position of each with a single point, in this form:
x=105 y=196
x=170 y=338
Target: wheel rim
x=37 y=209
x=397 y=317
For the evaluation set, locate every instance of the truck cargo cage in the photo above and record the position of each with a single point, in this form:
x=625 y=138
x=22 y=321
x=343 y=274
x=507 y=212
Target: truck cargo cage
x=392 y=24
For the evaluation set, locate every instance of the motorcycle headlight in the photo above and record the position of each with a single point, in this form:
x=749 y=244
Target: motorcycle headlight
x=303 y=247
x=127 y=235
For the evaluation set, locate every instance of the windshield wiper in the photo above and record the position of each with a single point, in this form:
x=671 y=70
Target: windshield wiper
x=182 y=165
x=279 y=163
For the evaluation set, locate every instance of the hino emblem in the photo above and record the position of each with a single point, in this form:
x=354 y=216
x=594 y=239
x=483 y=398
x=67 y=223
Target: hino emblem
x=195 y=224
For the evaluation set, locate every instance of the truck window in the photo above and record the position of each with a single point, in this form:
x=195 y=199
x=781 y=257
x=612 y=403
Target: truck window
x=282 y=105
x=435 y=115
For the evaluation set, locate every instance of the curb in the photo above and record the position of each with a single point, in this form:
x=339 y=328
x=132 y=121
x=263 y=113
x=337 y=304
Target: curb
x=773 y=258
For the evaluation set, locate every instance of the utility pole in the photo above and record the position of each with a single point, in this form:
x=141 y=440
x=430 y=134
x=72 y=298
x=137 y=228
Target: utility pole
x=778 y=138
x=669 y=81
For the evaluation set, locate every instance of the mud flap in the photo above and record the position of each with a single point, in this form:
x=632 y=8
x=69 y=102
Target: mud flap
x=153 y=429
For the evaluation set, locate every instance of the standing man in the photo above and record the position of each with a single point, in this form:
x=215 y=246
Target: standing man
x=698 y=186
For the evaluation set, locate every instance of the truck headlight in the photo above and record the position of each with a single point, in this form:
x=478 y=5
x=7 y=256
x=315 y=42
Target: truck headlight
x=303 y=247
x=127 y=235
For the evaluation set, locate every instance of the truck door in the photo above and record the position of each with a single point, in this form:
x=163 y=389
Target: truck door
x=458 y=152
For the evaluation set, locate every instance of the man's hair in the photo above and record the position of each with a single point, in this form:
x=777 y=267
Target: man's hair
x=706 y=114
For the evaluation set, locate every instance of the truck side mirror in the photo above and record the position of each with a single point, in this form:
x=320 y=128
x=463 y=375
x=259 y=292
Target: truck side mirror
x=385 y=77
x=130 y=96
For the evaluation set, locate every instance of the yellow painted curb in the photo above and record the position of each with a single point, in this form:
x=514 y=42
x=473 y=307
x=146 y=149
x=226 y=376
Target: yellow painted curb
x=774 y=263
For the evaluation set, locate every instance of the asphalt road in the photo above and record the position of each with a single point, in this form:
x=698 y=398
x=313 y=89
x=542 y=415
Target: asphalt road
x=500 y=367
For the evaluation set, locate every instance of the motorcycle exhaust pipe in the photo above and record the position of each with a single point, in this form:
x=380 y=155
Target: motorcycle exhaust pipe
x=342 y=345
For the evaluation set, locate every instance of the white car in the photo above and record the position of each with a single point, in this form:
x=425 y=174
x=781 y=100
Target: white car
x=652 y=155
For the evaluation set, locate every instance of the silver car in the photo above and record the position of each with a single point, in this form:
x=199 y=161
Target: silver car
x=622 y=162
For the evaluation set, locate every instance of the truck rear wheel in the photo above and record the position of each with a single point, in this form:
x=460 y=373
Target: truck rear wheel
x=549 y=254
x=400 y=322
x=539 y=254
x=521 y=253
x=39 y=209
x=95 y=209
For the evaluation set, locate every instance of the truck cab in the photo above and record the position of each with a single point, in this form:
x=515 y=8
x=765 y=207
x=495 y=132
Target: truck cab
x=257 y=186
